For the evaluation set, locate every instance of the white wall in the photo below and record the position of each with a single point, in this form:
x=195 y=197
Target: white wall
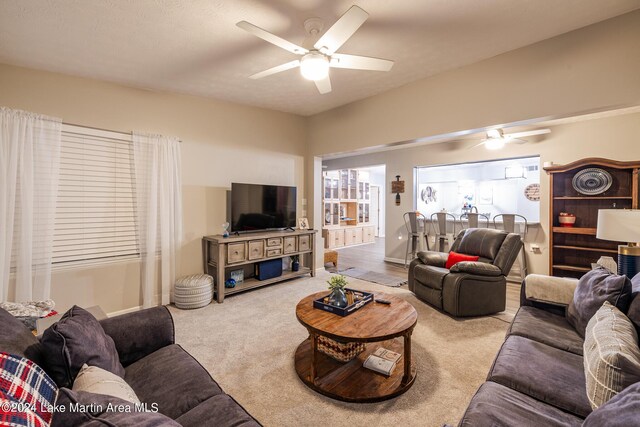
x=377 y=176
x=612 y=137
x=222 y=143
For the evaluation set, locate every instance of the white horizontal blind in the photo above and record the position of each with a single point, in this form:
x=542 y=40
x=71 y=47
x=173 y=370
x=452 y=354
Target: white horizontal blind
x=95 y=211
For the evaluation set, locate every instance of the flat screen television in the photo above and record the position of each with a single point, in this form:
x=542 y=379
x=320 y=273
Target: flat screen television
x=256 y=207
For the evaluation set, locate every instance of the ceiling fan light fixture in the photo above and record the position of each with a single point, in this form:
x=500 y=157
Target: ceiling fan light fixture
x=494 y=143
x=314 y=66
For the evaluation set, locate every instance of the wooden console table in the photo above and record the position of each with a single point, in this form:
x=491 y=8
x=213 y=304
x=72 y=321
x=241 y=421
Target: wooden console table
x=221 y=255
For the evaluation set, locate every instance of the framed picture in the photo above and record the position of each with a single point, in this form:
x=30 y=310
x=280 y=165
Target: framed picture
x=485 y=195
x=237 y=275
x=303 y=223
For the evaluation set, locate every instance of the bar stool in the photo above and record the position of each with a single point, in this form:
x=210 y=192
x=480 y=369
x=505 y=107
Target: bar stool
x=473 y=220
x=440 y=232
x=414 y=221
x=472 y=209
x=509 y=225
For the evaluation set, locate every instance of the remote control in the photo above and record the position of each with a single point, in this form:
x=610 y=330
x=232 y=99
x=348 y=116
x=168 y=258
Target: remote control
x=383 y=301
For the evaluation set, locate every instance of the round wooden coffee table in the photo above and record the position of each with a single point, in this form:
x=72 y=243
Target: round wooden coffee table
x=378 y=325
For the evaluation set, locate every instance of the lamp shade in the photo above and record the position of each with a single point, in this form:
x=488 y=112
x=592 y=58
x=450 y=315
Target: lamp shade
x=620 y=225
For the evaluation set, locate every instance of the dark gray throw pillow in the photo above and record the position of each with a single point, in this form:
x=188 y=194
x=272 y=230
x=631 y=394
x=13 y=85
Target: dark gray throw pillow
x=78 y=338
x=634 y=307
x=623 y=410
x=594 y=288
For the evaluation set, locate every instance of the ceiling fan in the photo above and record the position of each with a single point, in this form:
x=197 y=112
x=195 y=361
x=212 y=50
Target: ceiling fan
x=496 y=138
x=315 y=63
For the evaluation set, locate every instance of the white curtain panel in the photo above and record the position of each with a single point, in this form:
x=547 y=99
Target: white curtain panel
x=159 y=213
x=29 y=170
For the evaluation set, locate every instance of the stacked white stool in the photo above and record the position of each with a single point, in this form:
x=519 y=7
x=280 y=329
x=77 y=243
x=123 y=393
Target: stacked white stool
x=193 y=291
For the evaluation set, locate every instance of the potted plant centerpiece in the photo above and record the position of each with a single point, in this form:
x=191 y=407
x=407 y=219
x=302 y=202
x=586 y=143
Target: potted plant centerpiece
x=337 y=283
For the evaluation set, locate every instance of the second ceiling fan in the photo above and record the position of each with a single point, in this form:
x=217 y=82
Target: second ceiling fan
x=496 y=138
x=315 y=63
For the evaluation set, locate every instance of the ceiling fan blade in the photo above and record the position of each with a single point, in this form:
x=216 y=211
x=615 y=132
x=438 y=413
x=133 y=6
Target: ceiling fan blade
x=274 y=70
x=355 y=62
x=341 y=30
x=324 y=85
x=516 y=140
x=529 y=133
x=477 y=145
x=271 y=38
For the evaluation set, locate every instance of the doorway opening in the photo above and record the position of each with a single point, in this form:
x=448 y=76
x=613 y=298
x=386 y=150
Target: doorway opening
x=354 y=205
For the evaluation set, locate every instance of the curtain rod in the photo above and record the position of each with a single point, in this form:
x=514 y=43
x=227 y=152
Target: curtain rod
x=106 y=130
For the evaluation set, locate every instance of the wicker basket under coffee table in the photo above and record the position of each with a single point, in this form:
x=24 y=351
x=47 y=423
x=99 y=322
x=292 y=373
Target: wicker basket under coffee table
x=376 y=324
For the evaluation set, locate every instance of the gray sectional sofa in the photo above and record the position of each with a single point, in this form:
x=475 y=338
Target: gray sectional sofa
x=158 y=370
x=538 y=376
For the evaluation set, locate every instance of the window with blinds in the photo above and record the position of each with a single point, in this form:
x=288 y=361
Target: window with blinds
x=95 y=211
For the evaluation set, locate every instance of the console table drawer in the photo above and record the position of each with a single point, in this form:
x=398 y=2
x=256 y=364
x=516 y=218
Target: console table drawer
x=274 y=252
x=274 y=241
x=290 y=245
x=256 y=249
x=303 y=243
x=235 y=252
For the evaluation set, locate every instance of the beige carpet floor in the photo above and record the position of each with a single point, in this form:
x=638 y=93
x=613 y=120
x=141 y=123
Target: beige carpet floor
x=248 y=343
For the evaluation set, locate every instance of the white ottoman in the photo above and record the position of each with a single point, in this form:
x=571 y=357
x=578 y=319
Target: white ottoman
x=193 y=291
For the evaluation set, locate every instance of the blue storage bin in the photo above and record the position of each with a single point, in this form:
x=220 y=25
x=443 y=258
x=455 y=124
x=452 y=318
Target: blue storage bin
x=269 y=269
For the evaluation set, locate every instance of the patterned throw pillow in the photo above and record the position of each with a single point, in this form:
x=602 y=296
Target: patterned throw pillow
x=27 y=394
x=611 y=355
x=96 y=380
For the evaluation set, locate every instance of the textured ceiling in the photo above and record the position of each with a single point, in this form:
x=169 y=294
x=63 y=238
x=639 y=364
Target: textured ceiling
x=194 y=46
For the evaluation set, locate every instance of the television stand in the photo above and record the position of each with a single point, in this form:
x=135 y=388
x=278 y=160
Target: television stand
x=222 y=255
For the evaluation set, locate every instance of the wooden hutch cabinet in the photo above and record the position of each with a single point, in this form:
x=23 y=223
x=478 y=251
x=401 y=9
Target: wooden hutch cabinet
x=573 y=249
x=346 y=208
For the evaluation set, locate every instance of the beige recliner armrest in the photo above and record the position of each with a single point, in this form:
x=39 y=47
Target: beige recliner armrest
x=549 y=289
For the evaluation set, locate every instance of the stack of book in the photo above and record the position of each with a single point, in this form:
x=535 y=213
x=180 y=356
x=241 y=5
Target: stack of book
x=382 y=360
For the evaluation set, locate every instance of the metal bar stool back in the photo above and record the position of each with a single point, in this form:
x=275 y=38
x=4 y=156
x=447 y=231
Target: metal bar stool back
x=439 y=224
x=509 y=222
x=415 y=224
x=474 y=220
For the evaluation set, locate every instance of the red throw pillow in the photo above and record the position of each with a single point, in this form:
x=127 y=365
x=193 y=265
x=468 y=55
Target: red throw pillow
x=455 y=258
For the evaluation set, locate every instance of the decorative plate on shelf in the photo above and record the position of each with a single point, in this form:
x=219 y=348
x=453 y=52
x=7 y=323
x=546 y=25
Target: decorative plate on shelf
x=532 y=192
x=592 y=181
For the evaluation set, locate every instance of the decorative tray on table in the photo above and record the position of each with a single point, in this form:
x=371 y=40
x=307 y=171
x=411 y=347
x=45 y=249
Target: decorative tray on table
x=360 y=299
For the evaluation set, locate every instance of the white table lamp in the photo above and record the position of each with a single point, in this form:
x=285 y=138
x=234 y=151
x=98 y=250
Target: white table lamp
x=622 y=225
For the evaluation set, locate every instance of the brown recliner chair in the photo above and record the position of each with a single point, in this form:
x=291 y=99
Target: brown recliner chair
x=469 y=288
